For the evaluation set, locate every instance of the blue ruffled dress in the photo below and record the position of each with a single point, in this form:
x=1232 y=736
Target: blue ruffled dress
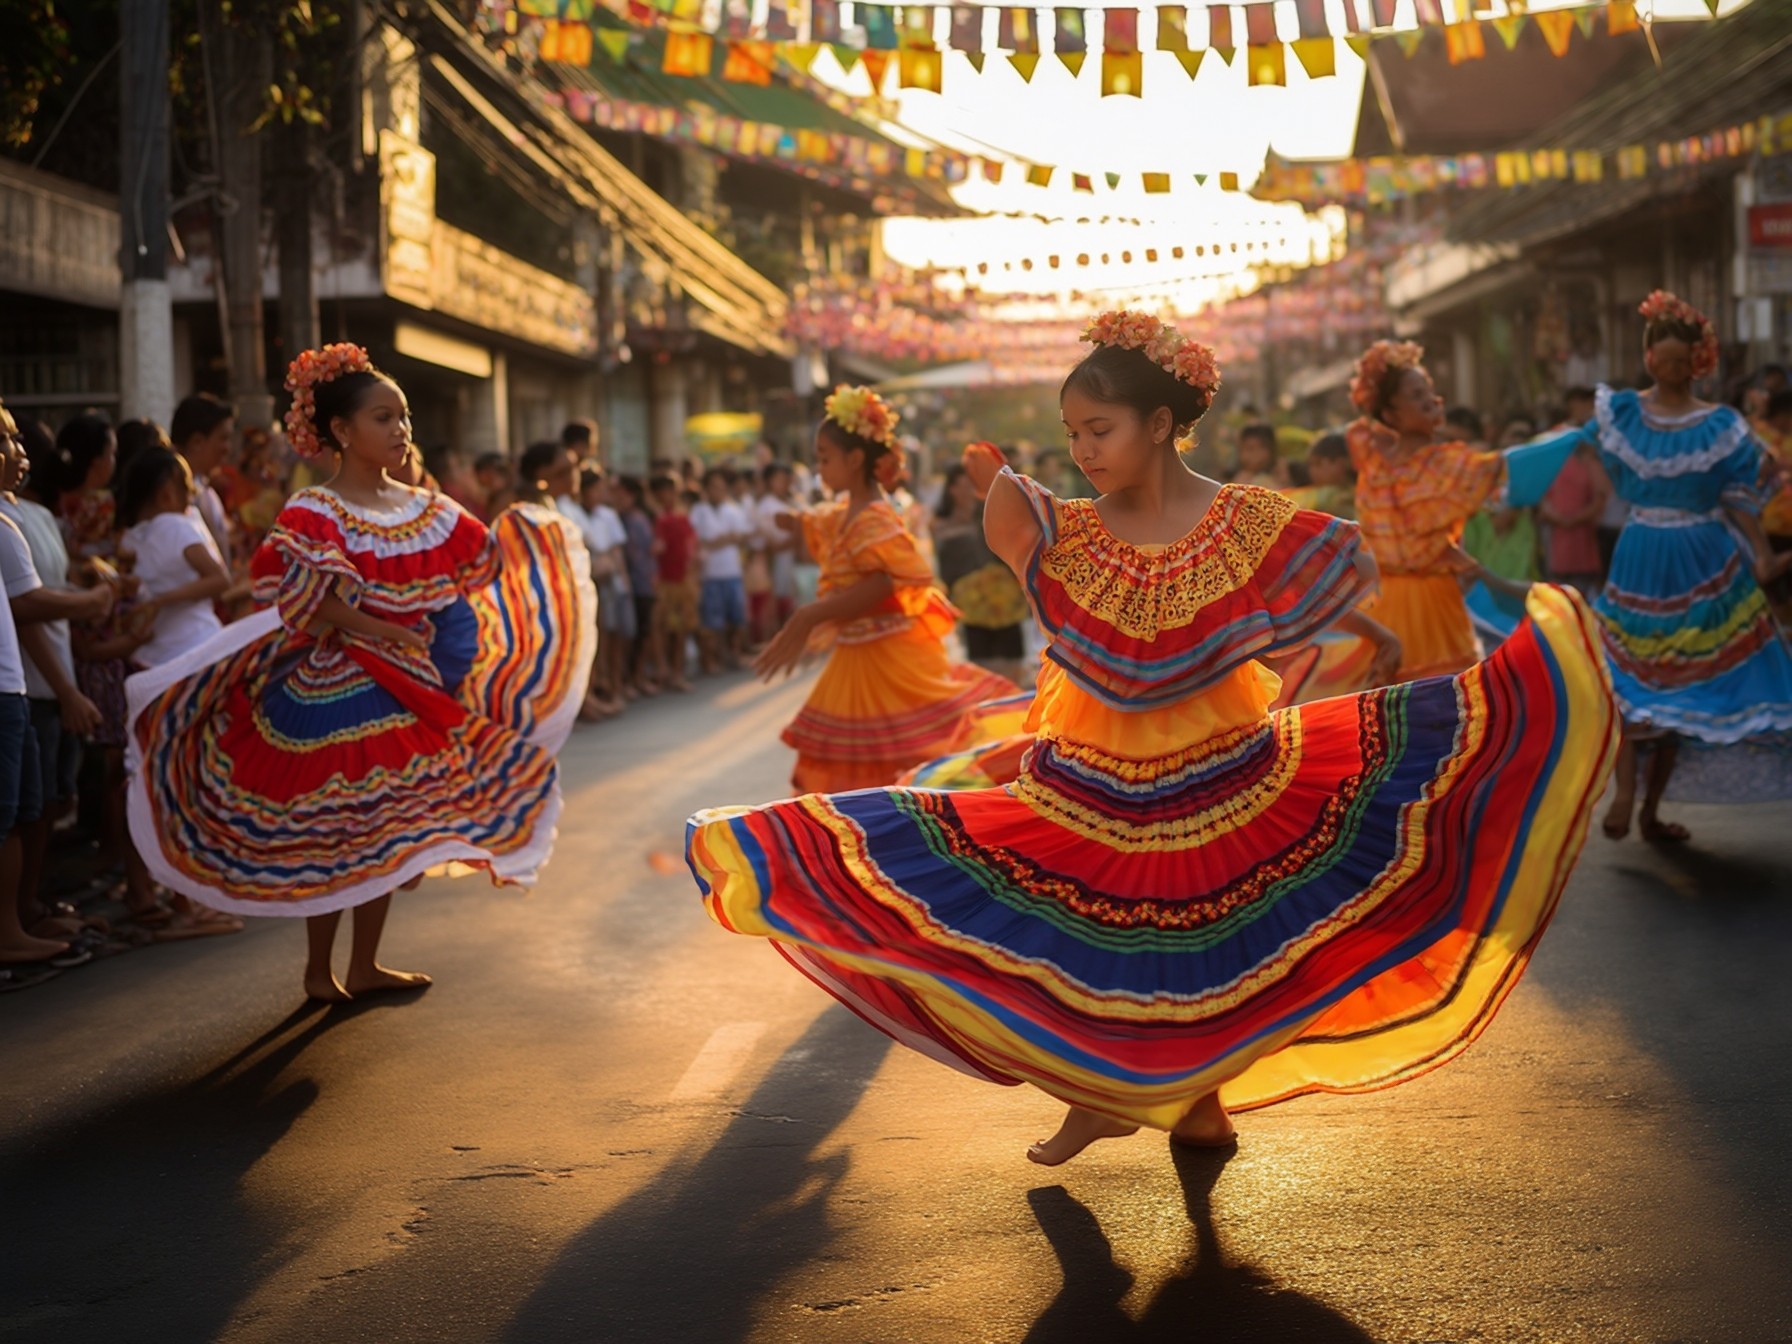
x=1693 y=645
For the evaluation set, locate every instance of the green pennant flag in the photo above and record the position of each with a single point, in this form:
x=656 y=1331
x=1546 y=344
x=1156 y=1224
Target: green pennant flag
x=1410 y=40
x=1073 y=60
x=1509 y=27
x=1025 y=63
x=976 y=60
x=615 y=41
x=1113 y=181
x=1584 y=19
x=847 y=56
x=1200 y=179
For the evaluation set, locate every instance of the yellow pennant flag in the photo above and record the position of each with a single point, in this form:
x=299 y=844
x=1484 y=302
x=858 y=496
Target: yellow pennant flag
x=1509 y=27
x=919 y=69
x=1504 y=171
x=801 y=55
x=1073 y=60
x=914 y=163
x=1463 y=42
x=1411 y=40
x=1191 y=61
x=1228 y=181
x=1318 y=56
x=1025 y=62
x=688 y=54
x=1156 y=184
x=1558 y=29
x=1359 y=43
x=1268 y=65
x=1122 y=74
x=1558 y=163
x=976 y=60
x=1620 y=17
x=1039 y=175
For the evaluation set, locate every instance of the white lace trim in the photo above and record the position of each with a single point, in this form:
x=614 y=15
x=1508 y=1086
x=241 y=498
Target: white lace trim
x=1613 y=440
x=373 y=533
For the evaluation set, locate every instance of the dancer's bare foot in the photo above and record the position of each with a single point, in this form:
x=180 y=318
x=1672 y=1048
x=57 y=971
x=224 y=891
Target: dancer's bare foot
x=1206 y=1125
x=1658 y=832
x=26 y=949
x=1617 y=817
x=1081 y=1128
x=324 y=987
x=379 y=980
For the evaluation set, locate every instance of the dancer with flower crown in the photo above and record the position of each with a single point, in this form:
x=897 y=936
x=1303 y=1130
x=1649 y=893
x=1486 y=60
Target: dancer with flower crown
x=1414 y=494
x=1699 y=665
x=889 y=697
x=1187 y=905
x=398 y=706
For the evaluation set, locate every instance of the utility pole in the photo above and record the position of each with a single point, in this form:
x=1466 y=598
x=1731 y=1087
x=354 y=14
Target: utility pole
x=247 y=70
x=146 y=315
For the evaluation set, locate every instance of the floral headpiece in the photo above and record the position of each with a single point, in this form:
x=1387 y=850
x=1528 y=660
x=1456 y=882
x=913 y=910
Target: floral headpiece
x=859 y=410
x=1374 y=367
x=303 y=376
x=1179 y=356
x=1662 y=306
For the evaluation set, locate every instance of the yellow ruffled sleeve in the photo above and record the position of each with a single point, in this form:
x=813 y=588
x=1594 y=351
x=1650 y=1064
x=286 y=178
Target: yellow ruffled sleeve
x=880 y=544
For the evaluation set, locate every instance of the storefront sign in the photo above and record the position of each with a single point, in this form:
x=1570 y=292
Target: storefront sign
x=1770 y=225
x=439 y=268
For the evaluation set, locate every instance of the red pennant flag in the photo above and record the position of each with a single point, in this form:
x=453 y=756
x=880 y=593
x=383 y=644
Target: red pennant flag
x=749 y=63
x=967 y=28
x=1260 y=25
x=1219 y=27
x=1311 y=14
x=1172 y=28
x=1018 y=31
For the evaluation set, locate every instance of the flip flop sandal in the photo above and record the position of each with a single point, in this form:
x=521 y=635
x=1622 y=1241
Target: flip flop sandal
x=77 y=955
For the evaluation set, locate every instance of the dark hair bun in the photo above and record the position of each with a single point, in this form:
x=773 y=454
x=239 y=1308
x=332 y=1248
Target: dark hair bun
x=1123 y=377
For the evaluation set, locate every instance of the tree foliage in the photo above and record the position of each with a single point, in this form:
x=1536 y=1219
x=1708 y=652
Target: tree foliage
x=34 y=55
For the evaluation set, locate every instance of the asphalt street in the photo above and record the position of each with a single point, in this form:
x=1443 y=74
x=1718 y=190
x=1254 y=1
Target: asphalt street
x=610 y=1121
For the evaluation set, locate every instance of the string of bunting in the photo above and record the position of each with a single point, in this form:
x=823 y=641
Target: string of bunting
x=726 y=37
x=1373 y=181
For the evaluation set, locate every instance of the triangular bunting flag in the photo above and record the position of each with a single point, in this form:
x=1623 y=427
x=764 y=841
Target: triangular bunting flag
x=800 y=55
x=1073 y=60
x=847 y=56
x=615 y=41
x=1359 y=44
x=1712 y=6
x=1025 y=62
x=1191 y=61
x=1040 y=175
x=976 y=60
x=1200 y=179
x=1414 y=38
x=1113 y=185
x=1081 y=182
x=1558 y=29
x=1584 y=20
x=1509 y=27
x=1122 y=73
x=1463 y=42
x=1318 y=56
x=1620 y=17
x=875 y=63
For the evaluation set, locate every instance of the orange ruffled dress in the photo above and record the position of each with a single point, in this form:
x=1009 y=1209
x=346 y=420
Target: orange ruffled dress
x=1412 y=512
x=889 y=698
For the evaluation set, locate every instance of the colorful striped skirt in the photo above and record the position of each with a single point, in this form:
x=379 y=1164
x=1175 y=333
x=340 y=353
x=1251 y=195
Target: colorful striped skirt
x=1334 y=899
x=275 y=774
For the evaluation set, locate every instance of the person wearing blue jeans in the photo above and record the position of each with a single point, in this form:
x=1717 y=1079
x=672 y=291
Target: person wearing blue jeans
x=722 y=528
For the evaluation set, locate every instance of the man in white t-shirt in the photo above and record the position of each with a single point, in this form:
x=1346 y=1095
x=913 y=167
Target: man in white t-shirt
x=202 y=431
x=722 y=528
x=21 y=780
x=605 y=538
x=780 y=546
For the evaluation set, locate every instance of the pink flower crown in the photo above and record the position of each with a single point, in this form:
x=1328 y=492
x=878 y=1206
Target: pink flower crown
x=859 y=410
x=1181 y=357
x=1374 y=366
x=1662 y=306
x=303 y=376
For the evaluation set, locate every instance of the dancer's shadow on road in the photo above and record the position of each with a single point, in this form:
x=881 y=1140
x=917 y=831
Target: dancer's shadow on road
x=688 y=1258
x=132 y=1224
x=1208 y=1299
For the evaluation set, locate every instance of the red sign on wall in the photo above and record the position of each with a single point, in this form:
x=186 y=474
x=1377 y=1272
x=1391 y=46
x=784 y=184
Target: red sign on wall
x=1770 y=225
